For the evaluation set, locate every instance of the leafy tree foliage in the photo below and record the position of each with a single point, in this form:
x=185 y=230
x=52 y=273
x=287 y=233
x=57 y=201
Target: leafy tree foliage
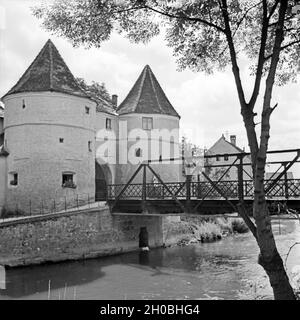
x=195 y=29
x=96 y=90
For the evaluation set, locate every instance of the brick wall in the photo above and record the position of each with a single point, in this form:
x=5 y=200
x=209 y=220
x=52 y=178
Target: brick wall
x=72 y=236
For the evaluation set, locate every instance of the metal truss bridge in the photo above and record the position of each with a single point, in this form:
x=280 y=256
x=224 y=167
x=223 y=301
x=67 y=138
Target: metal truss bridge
x=206 y=196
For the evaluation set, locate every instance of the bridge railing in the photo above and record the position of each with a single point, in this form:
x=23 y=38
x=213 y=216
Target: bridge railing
x=282 y=189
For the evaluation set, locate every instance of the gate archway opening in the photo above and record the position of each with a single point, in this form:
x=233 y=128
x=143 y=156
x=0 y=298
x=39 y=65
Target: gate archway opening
x=103 y=177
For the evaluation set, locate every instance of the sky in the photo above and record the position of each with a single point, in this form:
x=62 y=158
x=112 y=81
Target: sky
x=208 y=104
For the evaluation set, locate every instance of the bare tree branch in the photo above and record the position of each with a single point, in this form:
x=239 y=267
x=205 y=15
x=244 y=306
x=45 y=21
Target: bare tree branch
x=244 y=16
x=170 y=15
x=195 y=19
x=273 y=9
x=261 y=55
x=285 y=19
x=290 y=249
x=233 y=56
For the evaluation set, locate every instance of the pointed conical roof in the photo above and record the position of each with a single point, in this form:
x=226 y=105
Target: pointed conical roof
x=48 y=72
x=147 y=96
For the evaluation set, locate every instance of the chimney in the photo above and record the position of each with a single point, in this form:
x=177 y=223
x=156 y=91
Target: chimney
x=233 y=139
x=114 y=100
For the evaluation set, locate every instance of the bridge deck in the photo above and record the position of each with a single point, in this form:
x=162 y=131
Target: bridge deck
x=206 y=195
x=283 y=189
x=206 y=198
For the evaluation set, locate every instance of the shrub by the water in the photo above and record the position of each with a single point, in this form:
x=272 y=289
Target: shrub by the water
x=198 y=229
x=207 y=231
x=225 y=224
x=239 y=225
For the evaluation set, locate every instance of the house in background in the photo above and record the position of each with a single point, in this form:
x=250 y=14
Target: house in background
x=224 y=147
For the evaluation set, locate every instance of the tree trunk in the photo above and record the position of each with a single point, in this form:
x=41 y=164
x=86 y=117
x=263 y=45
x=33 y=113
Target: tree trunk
x=278 y=277
x=269 y=257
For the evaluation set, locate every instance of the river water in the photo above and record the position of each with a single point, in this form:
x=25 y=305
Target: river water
x=226 y=269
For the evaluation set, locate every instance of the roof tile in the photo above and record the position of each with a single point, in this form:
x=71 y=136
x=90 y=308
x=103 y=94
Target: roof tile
x=147 y=96
x=48 y=72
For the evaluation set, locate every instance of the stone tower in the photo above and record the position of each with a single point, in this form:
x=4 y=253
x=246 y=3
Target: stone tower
x=49 y=134
x=148 y=130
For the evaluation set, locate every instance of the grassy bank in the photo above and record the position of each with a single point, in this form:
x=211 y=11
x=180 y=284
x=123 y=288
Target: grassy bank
x=193 y=229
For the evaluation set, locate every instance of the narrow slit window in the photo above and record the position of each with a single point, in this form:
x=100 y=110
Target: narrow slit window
x=108 y=124
x=14 y=179
x=90 y=145
x=87 y=110
x=138 y=152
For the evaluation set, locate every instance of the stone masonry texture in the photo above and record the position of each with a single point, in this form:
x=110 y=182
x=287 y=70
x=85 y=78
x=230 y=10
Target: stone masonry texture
x=73 y=236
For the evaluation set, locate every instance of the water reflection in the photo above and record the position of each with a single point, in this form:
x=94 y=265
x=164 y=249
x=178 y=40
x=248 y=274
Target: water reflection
x=2 y=278
x=219 y=269
x=144 y=258
x=26 y=281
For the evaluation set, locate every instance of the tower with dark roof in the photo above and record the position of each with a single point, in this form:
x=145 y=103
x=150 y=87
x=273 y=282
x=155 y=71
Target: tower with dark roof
x=147 y=97
x=151 y=132
x=49 y=141
x=49 y=134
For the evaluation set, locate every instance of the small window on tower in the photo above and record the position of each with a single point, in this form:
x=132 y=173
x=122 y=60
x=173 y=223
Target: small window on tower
x=147 y=123
x=68 y=180
x=87 y=110
x=138 y=152
x=14 y=179
x=61 y=140
x=90 y=145
x=108 y=124
x=23 y=104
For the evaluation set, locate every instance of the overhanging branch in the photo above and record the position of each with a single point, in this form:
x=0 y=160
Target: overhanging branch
x=171 y=15
x=261 y=55
x=194 y=19
x=283 y=48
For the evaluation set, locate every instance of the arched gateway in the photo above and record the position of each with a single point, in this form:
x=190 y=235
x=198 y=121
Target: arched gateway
x=103 y=177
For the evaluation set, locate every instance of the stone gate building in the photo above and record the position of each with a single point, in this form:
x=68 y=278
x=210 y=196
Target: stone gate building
x=52 y=135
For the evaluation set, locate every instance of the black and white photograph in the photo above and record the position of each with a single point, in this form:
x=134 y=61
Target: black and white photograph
x=149 y=152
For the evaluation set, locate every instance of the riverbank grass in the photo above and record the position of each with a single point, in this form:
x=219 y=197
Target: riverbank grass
x=193 y=229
